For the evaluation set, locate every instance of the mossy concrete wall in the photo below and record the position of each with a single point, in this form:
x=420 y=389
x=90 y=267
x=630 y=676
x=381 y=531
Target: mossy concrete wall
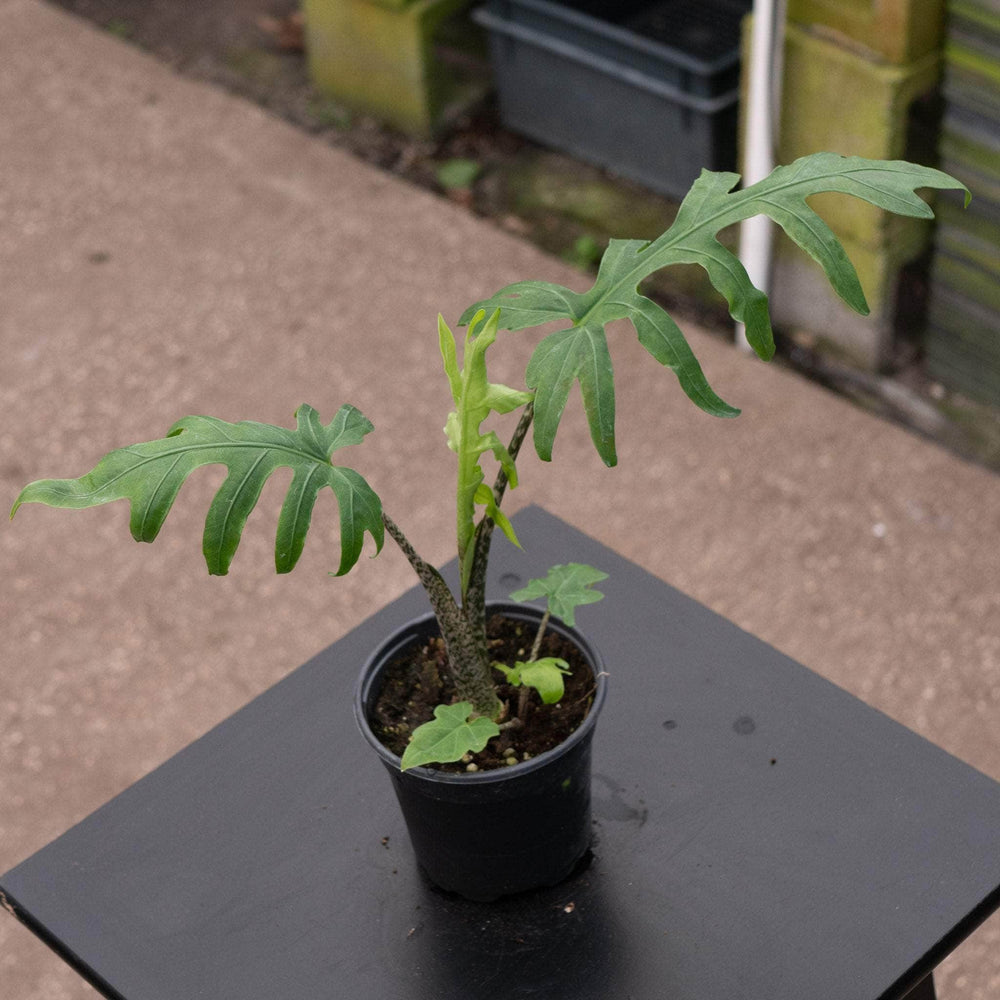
x=961 y=345
x=899 y=31
x=847 y=99
x=377 y=56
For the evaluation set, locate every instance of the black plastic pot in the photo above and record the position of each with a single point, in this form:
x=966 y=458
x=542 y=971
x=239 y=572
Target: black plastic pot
x=492 y=833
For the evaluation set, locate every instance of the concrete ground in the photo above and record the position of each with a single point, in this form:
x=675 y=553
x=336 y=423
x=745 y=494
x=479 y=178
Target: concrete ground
x=167 y=249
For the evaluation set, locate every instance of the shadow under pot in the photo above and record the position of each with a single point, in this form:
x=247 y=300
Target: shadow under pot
x=496 y=832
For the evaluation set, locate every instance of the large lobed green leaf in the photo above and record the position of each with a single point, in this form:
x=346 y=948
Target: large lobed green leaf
x=150 y=475
x=580 y=351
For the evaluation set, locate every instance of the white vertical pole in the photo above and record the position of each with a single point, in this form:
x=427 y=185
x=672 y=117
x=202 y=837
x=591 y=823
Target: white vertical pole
x=763 y=105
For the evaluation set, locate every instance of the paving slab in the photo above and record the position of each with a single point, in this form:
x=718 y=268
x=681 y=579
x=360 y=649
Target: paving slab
x=168 y=249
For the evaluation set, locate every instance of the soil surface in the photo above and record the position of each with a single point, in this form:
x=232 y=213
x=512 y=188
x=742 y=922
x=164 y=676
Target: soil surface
x=418 y=682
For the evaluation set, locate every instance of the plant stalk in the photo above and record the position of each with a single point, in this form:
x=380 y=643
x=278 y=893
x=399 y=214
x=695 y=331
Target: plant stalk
x=468 y=657
x=464 y=628
x=475 y=594
x=537 y=644
x=522 y=703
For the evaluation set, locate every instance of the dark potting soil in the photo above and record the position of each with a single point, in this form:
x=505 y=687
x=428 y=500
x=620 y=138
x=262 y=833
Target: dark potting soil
x=418 y=681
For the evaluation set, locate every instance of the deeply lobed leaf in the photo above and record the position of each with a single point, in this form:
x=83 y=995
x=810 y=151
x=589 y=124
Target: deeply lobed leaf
x=579 y=352
x=150 y=475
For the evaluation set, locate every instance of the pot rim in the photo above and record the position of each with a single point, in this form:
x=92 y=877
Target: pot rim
x=404 y=633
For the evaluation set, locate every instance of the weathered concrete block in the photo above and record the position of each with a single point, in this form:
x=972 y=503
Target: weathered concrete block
x=836 y=99
x=377 y=56
x=841 y=99
x=899 y=31
x=802 y=300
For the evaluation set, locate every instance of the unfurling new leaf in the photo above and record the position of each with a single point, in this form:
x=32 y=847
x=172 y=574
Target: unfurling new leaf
x=580 y=351
x=475 y=399
x=151 y=474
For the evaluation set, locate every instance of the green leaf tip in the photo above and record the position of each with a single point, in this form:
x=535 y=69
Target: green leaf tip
x=448 y=737
x=150 y=475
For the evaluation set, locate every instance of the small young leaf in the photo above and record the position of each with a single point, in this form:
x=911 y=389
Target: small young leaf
x=566 y=587
x=544 y=675
x=150 y=475
x=448 y=736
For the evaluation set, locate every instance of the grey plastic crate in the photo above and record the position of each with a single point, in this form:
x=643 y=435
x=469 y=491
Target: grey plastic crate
x=614 y=93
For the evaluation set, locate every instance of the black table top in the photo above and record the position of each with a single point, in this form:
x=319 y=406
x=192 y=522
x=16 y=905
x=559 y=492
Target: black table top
x=759 y=835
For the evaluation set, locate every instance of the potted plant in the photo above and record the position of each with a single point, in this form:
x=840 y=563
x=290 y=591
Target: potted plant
x=487 y=816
